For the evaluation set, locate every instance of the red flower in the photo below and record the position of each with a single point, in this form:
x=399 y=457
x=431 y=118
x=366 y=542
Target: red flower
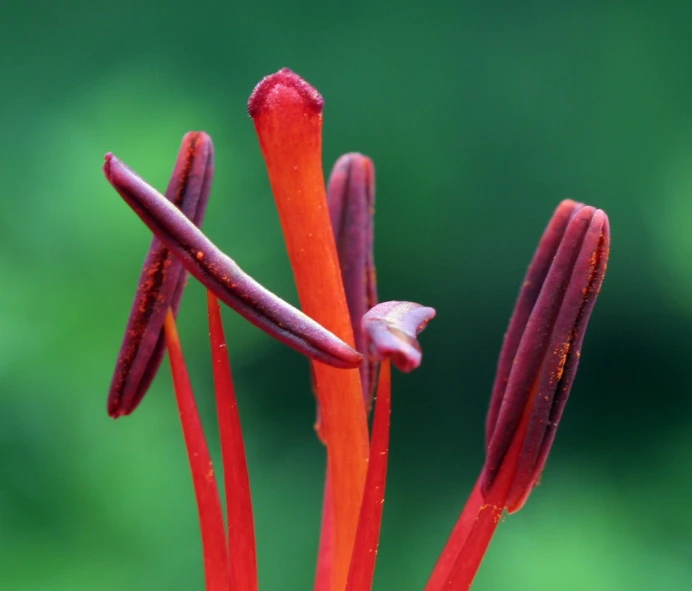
x=329 y=237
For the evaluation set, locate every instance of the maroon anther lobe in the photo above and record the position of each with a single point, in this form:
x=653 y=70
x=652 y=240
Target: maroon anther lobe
x=161 y=281
x=351 y=203
x=542 y=346
x=391 y=329
x=223 y=277
x=530 y=289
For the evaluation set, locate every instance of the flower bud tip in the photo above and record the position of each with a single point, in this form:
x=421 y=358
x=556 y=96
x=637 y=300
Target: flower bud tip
x=284 y=82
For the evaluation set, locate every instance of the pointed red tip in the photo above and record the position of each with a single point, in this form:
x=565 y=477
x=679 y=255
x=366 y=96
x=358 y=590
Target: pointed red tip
x=284 y=85
x=107 y=165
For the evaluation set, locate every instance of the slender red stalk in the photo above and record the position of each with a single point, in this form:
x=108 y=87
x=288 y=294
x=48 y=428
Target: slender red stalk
x=203 y=478
x=325 y=555
x=241 y=530
x=488 y=508
x=362 y=567
x=476 y=545
x=457 y=539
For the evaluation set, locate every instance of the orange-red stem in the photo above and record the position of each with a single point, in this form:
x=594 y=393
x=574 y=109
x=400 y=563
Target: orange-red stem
x=325 y=556
x=489 y=511
x=241 y=530
x=288 y=119
x=203 y=478
x=362 y=569
x=475 y=546
x=457 y=539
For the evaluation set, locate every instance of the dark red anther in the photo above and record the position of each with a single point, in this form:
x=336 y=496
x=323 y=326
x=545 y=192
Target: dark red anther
x=162 y=280
x=221 y=275
x=351 y=202
x=543 y=344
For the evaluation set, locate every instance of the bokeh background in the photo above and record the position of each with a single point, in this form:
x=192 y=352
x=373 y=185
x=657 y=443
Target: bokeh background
x=480 y=117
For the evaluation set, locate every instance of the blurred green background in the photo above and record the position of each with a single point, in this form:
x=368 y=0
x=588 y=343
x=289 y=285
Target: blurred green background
x=480 y=117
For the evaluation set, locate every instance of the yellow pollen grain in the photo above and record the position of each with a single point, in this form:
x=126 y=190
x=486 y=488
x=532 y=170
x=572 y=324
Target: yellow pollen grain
x=563 y=359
